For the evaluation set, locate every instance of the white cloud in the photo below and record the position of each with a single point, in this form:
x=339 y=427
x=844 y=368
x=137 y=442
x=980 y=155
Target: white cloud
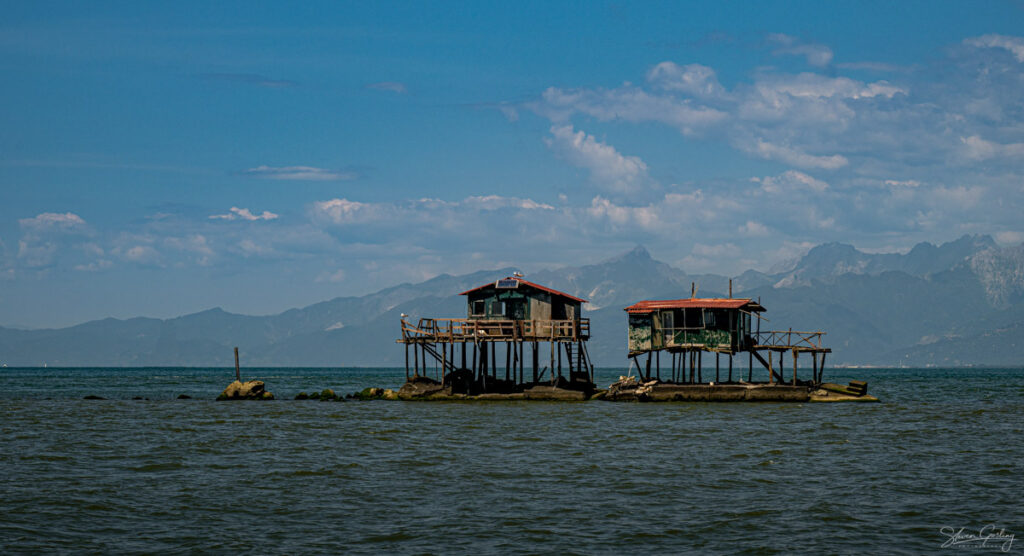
x=816 y=54
x=796 y=157
x=333 y=277
x=976 y=148
x=607 y=167
x=52 y=221
x=695 y=79
x=752 y=228
x=299 y=173
x=1015 y=45
x=390 y=86
x=244 y=214
x=903 y=183
x=629 y=104
x=143 y=254
x=790 y=181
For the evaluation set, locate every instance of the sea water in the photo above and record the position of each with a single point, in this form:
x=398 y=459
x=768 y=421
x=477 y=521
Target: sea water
x=942 y=453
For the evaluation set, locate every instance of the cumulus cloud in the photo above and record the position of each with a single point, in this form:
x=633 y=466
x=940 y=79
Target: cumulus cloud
x=694 y=79
x=299 y=173
x=52 y=221
x=236 y=213
x=608 y=168
x=816 y=54
x=1015 y=45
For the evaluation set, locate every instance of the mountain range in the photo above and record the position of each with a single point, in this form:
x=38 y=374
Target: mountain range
x=955 y=304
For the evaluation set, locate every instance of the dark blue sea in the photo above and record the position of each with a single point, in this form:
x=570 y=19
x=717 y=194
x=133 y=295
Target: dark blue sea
x=943 y=453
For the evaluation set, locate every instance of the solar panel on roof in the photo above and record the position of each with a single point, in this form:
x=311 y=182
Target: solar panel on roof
x=507 y=284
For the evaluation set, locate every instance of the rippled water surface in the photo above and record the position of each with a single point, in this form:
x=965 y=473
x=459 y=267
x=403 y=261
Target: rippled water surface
x=943 y=449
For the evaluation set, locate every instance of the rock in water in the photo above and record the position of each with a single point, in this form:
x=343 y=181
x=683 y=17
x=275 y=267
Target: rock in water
x=250 y=390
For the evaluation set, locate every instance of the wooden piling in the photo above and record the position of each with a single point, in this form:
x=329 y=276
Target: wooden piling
x=238 y=371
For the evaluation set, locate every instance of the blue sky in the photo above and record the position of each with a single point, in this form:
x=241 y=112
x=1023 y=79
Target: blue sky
x=160 y=159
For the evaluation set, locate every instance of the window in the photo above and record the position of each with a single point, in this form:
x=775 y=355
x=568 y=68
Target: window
x=709 y=318
x=477 y=308
x=498 y=309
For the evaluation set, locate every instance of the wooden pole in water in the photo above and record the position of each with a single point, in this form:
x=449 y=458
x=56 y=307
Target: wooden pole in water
x=657 y=367
x=771 y=373
x=508 y=359
x=750 y=367
x=730 y=368
x=814 y=367
x=647 y=372
x=238 y=372
x=716 y=364
x=406 y=361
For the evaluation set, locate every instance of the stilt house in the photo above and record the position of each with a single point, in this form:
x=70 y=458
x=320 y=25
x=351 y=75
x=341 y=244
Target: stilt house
x=686 y=328
x=512 y=313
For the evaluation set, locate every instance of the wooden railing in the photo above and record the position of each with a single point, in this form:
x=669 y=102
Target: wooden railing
x=469 y=330
x=788 y=338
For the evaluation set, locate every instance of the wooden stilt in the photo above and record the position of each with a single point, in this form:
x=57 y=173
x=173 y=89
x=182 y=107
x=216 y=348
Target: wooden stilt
x=750 y=367
x=771 y=373
x=647 y=373
x=814 y=367
x=416 y=355
x=508 y=360
x=536 y=361
x=406 y=361
x=795 y=353
x=730 y=368
x=717 y=379
x=700 y=366
x=657 y=366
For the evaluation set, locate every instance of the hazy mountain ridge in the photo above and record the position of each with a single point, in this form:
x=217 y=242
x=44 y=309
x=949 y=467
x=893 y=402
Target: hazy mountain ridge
x=932 y=305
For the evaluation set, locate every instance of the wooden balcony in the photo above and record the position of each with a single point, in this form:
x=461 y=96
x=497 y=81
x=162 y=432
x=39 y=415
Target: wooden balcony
x=479 y=330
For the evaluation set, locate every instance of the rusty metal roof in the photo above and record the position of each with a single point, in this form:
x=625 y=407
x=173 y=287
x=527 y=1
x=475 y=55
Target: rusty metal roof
x=649 y=306
x=526 y=283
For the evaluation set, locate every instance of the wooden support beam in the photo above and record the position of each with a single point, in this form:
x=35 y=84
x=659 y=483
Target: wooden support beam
x=657 y=366
x=416 y=354
x=814 y=367
x=508 y=360
x=730 y=367
x=717 y=379
x=238 y=370
x=647 y=374
x=795 y=353
x=771 y=373
x=406 y=362
x=536 y=361
x=700 y=366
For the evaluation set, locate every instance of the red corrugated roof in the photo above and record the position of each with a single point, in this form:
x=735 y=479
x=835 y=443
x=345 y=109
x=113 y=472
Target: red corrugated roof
x=527 y=283
x=695 y=303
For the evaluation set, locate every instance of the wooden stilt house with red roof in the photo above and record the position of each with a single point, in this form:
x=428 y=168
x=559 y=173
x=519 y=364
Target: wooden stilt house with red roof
x=511 y=319
x=687 y=328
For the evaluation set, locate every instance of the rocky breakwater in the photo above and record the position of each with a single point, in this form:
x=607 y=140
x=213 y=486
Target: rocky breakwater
x=632 y=389
x=249 y=390
x=423 y=388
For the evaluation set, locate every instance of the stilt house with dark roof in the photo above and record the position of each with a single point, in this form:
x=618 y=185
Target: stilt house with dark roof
x=510 y=317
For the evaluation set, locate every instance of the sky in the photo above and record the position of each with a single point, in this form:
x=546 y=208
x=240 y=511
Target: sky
x=158 y=159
